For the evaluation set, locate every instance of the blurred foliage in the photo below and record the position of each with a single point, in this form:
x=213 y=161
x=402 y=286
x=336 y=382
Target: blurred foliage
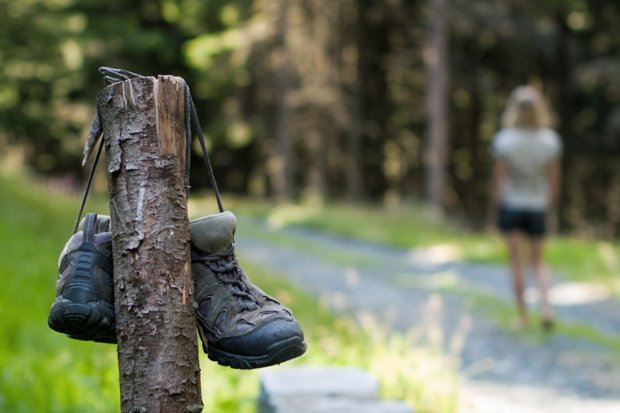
x=343 y=83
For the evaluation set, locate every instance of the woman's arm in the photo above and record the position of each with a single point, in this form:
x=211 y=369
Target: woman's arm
x=497 y=183
x=554 y=175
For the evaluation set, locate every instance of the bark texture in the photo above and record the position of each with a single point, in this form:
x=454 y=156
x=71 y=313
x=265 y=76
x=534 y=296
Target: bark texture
x=143 y=125
x=437 y=145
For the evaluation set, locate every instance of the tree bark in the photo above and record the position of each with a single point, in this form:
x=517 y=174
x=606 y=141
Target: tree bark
x=281 y=161
x=144 y=129
x=437 y=56
x=355 y=186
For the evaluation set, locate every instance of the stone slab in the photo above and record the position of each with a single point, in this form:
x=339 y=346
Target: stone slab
x=339 y=405
x=347 y=382
x=323 y=390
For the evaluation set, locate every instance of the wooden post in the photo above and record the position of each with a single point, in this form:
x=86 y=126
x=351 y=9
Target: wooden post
x=144 y=130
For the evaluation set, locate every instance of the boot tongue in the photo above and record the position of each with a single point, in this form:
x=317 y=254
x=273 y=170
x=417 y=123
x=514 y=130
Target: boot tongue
x=103 y=224
x=214 y=233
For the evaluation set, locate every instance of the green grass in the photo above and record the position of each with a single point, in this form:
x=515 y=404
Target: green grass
x=43 y=371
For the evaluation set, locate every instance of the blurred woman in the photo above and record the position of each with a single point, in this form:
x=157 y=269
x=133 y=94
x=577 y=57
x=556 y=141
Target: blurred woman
x=526 y=180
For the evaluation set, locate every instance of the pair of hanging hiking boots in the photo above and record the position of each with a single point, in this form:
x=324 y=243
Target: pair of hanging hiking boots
x=240 y=326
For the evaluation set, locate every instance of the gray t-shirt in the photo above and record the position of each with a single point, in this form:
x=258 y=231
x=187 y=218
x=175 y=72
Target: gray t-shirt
x=528 y=153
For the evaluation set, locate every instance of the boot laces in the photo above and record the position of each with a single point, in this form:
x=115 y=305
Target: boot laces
x=225 y=267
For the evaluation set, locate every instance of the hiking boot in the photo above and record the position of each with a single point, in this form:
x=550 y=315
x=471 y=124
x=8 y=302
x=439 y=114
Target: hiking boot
x=240 y=325
x=84 y=304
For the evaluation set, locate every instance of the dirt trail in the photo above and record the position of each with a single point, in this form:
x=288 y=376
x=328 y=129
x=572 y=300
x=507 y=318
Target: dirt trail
x=502 y=371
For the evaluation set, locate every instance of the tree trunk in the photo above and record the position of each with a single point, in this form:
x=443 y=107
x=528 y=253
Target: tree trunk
x=281 y=161
x=354 y=138
x=437 y=56
x=144 y=129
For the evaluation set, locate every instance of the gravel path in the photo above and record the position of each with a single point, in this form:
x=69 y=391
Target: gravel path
x=502 y=371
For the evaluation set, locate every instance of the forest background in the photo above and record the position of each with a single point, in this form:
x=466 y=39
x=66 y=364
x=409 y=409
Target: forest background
x=384 y=101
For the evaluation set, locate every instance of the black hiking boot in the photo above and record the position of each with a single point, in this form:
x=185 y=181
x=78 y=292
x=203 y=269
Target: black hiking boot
x=240 y=326
x=84 y=304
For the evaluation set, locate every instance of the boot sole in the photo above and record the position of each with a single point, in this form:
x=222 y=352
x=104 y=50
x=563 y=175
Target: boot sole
x=94 y=321
x=276 y=353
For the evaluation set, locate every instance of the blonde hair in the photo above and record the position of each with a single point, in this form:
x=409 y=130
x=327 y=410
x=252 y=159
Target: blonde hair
x=526 y=108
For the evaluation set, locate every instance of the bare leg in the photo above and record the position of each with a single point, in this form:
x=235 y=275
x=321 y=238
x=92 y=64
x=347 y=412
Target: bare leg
x=542 y=278
x=516 y=271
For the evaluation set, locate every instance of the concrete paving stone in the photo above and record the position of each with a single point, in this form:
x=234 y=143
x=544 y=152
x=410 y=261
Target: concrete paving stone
x=338 y=405
x=323 y=389
x=348 y=382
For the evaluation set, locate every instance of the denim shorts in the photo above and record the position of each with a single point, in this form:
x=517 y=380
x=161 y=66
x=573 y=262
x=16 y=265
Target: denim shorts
x=530 y=222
